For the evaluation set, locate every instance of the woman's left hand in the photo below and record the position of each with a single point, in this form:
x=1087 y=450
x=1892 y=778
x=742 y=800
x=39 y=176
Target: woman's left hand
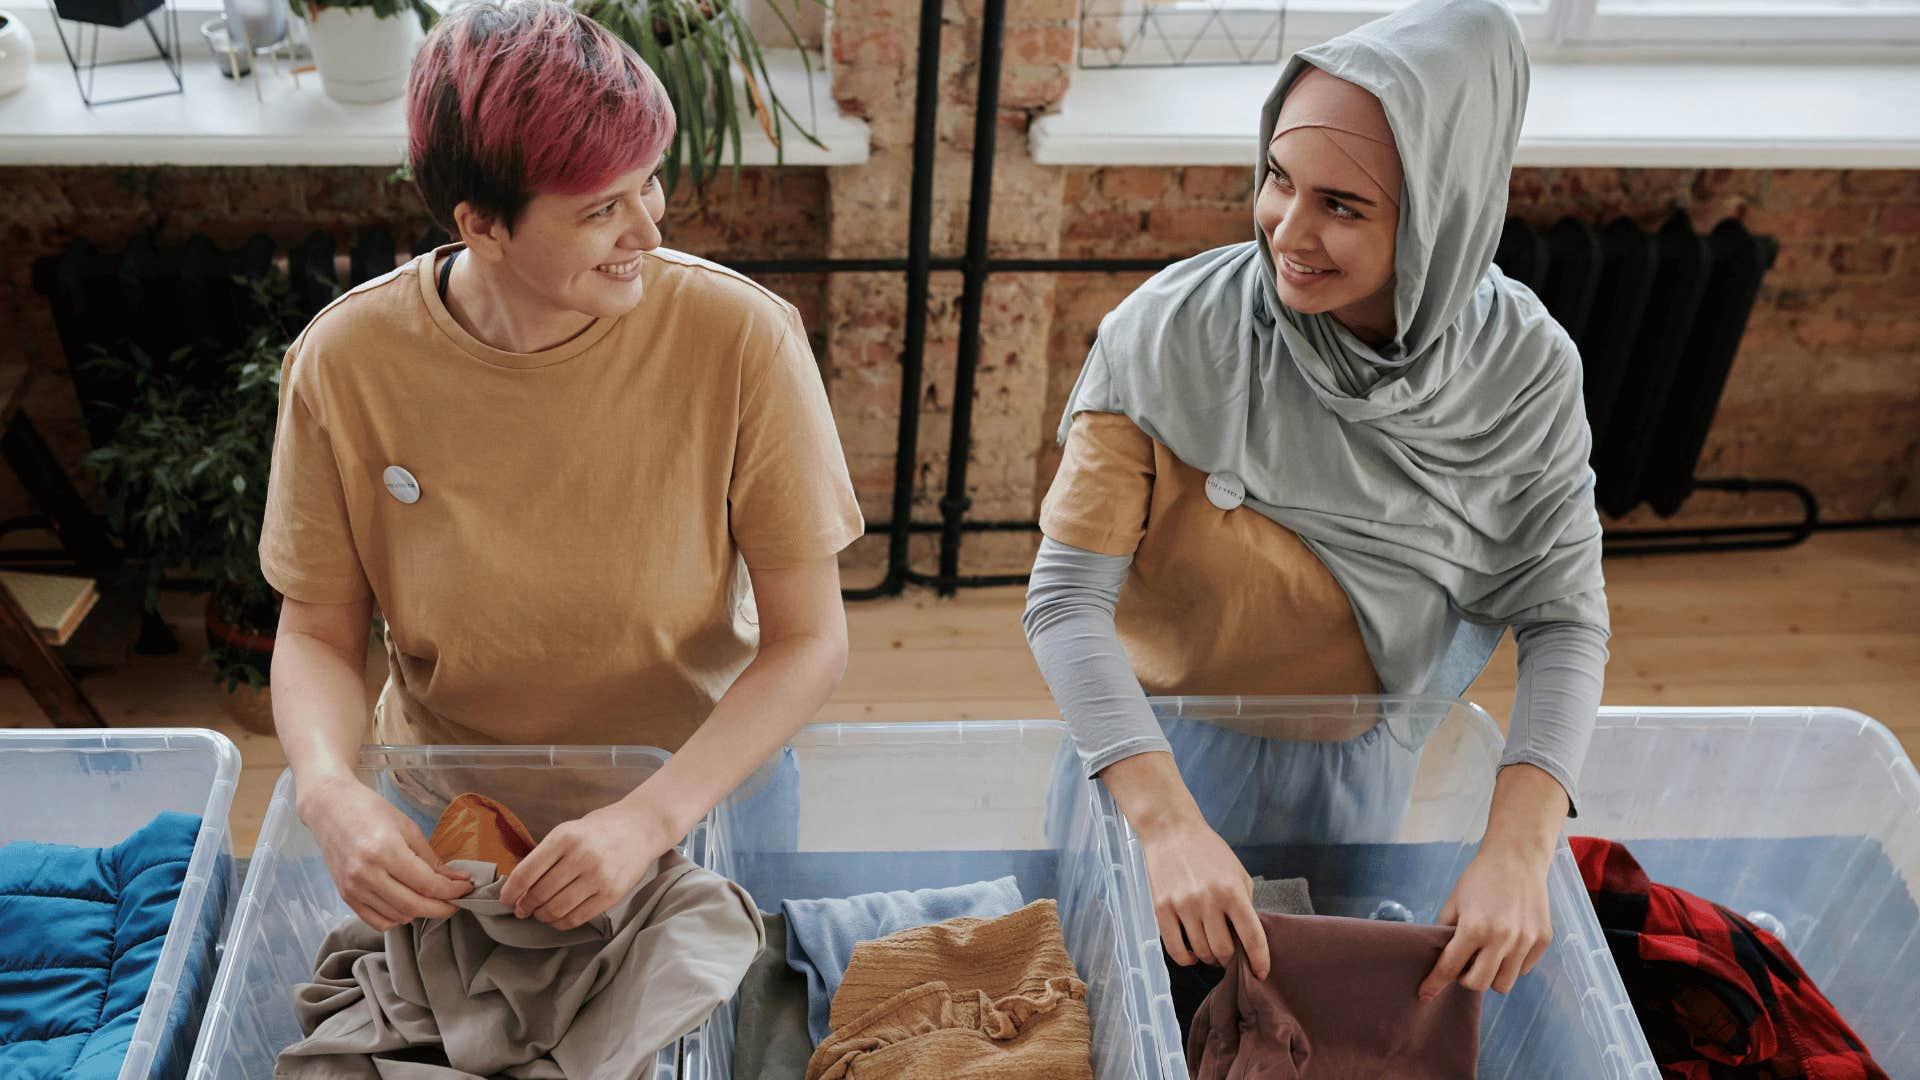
x=1501 y=922
x=585 y=866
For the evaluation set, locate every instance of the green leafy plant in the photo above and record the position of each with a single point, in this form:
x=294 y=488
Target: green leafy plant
x=385 y=9
x=695 y=46
x=185 y=472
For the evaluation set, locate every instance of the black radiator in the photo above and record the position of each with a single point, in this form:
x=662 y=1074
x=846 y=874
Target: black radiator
x=1658 y=318
x=165 y=299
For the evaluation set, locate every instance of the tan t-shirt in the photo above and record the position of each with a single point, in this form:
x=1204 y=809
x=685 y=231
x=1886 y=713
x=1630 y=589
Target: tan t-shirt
x=1216 y=601
x=574 y=570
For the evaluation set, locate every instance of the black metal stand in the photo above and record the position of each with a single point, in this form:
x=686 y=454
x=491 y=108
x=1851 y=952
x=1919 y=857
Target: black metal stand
x=169 y=55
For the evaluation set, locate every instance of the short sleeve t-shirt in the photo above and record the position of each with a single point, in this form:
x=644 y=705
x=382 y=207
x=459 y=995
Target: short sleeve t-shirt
x=1216 y=601
x=573 y=570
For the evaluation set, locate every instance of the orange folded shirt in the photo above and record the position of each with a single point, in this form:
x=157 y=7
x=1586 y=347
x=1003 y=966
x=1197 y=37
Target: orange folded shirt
x=477 y=829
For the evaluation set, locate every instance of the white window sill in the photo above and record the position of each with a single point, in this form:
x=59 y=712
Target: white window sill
x=1663 y=114
x=220 y=121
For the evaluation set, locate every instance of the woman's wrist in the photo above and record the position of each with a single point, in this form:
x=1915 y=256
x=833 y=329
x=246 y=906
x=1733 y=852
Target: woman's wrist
x=1529 y=807
x=1149 y=791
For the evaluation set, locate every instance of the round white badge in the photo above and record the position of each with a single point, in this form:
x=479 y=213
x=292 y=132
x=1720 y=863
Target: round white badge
x=401 y=484
x=1225 y=491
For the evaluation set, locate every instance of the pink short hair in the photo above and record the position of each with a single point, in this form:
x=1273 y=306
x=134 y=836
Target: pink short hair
x=510 y=99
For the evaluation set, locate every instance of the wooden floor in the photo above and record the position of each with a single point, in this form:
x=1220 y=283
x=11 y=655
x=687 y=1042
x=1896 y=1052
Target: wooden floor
x=1835 y=621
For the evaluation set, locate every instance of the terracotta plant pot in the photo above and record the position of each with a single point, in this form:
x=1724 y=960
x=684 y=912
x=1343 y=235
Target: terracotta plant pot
x=251 y=709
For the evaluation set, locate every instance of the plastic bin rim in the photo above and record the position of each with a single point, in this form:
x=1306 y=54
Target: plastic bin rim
x=122 y=740
x=385 y=755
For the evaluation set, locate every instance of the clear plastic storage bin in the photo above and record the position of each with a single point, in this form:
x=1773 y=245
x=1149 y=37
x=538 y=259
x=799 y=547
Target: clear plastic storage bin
x=1569 y=1018
x=290 y=904
x=95 y=788
x=925 y=805
x=1811 y=816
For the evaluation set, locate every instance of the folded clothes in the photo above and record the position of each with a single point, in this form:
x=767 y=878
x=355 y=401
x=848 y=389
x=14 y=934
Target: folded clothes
x=770 y=1040
x=1341 y=1002
x=81 y=932
x=1716 y=995
x=484 y=993
x=822 y=934
x=964 y=999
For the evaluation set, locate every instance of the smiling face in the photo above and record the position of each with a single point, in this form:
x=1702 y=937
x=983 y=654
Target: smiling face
x=1330 y=228
x=581 y=253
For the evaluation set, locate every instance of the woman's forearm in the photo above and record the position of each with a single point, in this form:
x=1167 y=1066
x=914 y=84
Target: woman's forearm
x=780 y=692
x=319 y=707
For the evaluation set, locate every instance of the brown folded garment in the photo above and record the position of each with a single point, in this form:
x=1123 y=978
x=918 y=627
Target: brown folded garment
x=474 y=828
x=1341 y=1003
x=965 y=999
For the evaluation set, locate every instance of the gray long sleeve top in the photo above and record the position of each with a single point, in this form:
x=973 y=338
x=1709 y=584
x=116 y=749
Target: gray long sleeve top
x=1070 y=626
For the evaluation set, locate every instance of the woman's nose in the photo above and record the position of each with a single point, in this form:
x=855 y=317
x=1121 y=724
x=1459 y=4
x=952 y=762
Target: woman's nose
x=1294 y=231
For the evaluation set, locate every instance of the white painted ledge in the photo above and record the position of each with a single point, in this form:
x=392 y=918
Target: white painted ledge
x=219 y=121
x=1662 y=114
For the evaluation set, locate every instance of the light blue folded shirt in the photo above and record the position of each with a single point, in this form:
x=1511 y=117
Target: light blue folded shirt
x=821 y=934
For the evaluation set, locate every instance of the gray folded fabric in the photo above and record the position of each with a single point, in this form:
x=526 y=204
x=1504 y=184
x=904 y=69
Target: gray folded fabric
x=484 y=994
x=1282 y=896
x=770 y=1040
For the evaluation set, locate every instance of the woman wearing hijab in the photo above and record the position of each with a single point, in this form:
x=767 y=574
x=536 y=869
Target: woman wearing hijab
x=1339 y=459
x=591 y=483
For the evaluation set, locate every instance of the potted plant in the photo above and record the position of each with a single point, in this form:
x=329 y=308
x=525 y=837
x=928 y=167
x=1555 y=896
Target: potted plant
x=185 y=480
x=695 y=47
x=363 y=47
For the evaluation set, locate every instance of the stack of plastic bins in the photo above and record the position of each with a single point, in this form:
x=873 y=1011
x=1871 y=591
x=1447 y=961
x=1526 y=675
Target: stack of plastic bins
x=913 y=806
x=95 y=788
x=1569 y=1018
x=290 y=904
x=1811 y=816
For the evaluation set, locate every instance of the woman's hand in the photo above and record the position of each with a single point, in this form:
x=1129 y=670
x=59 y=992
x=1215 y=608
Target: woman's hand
x=1202 y=896
x=379 y=859
x=585 y=866
x=1502 y=924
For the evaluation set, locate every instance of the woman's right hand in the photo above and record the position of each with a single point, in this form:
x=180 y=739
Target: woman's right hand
x=378 y=857
x=1202 y=896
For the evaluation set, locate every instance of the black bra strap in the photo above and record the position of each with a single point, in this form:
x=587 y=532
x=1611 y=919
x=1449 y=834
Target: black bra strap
x=446 y=275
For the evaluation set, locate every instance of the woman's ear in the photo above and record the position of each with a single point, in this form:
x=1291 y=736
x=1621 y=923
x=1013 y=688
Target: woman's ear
x=484 y=233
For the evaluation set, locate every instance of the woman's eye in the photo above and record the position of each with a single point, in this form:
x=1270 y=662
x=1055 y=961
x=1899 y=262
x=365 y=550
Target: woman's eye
x=1340 y=209
x=605 y=211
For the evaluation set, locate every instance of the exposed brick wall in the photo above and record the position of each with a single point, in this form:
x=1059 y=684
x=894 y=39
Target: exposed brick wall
x=1825 y=389
x=769 y=214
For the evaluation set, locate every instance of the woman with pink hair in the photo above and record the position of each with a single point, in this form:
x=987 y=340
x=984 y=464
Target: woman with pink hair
x=591 y=483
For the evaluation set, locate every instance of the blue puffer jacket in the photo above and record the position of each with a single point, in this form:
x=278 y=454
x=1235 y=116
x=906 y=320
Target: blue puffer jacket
x=81 y=930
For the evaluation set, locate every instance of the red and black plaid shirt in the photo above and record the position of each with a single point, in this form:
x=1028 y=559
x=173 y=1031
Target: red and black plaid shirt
x=1718 y=997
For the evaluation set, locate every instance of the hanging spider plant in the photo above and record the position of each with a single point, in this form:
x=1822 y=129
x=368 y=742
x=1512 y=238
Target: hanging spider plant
x=695 y=46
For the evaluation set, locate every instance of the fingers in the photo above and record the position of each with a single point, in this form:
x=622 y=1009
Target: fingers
x=551 y=884
x=394 y=895
x=375 y=915
x=531 y=869
x=1171 y=937
x=1487 y=963
x=422 y=873
x=1453 y=960
x=1510 y=969
x=1534 y=954
x=1213 y=930
x=1252 y=934
x=571 y=907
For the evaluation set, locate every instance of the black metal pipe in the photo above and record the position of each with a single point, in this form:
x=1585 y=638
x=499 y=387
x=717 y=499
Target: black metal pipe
x=926 y=136
x=948 y=263
x=986 y=118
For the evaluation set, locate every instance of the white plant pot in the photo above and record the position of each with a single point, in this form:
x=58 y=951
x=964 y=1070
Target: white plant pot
x=16 y=53
x=362 y=58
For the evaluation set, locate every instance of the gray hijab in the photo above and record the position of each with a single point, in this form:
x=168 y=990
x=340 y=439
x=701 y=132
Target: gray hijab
x=1442 y=479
